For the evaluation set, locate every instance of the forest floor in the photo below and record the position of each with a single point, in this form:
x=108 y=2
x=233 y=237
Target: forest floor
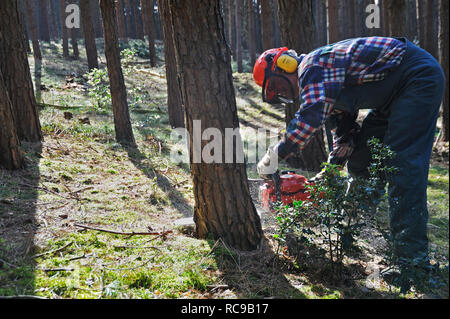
x=80 y=179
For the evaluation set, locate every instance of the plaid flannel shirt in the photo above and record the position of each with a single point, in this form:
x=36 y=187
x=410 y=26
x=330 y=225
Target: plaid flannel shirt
x=322 y=75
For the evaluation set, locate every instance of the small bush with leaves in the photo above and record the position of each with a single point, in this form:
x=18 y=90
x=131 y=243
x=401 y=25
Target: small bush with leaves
x=333 y=214
x=99 y=90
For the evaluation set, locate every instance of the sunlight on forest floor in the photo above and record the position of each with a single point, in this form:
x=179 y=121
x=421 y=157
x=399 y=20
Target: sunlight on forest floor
x=80 y=175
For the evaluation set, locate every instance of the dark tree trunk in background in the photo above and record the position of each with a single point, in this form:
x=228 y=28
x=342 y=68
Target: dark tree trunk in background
x=397 y=18
x=122 y=122
x=267 y=25
x=276 y=24
x=443 y=57
x=232 y=28
x=297 y=33
x=89 y=34
x=138 y=20
x=130 y=19
x=96 y=19
x=10 y=154
x=430 y=35
x=32 y=25
x=43 y=21
x=54 y=27
x=421 y=21
x=174 y=102
x=332 y=21
x=251 y=31
x=223 y=206
x=121 y=21
x=64 y=31
x=74 y=38
x=238 y=14
x=16 y=73
x=147 y=14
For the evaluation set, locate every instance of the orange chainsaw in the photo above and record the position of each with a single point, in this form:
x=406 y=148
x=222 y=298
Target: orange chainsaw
x=285 y=187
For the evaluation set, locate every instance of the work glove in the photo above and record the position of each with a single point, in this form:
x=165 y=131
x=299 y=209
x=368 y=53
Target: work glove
x=269 y=164
x=324 y=173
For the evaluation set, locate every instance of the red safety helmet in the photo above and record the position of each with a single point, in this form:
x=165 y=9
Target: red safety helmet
x=277 y=77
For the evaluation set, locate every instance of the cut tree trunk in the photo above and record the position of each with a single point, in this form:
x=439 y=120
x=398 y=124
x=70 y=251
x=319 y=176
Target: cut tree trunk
x=122 y=122
x=16 y=73
x=32 y=26
x=174 y=103
x=297 y=33
x=89 y=34
x=443 y=57
x=10 y=154
x=223 y=206
x=147 y=15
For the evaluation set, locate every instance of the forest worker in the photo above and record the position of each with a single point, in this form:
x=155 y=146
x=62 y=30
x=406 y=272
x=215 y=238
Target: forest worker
x=402 y=85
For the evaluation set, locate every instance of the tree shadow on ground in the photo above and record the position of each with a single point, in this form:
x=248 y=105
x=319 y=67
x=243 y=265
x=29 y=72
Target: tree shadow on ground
x=18 y=225
x=253 y=274
x=176 y=198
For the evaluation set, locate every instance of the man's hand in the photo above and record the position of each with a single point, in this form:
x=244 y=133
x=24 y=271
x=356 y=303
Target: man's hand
x=323 y=174
x=269 y=164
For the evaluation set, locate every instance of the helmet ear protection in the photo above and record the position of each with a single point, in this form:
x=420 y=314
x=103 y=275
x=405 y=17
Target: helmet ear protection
x=280 y=82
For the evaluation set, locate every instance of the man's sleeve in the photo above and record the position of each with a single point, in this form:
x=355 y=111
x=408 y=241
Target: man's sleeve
x=344 y=130
x=319 y=88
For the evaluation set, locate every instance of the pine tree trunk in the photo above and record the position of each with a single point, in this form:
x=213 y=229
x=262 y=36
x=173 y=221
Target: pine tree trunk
x=10 y=154
x=147 y=15
x=397 y=18
x=267 y=25
x=421 y=21
x=96 y=19
x=297 y=33
x=74 y=38
x=251 y=31
x=174 y=103
x=332 y=21
x=138 y=20
x=16 y=73
x=232 y=28
x=443 y=57
x=89 y=34
x=31 y=18
x=223 y=206
x=130 y=20
x=238 y=15
x=64 y=30
x=43 y=21
x=430 y=34
x=121 y=21
x=122 y=122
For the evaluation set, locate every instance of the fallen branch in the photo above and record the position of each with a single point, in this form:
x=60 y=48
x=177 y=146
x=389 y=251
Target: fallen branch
x=21 y=297
x=124 y=233
x=53 y=251
x=57 y=269
x=152 y=73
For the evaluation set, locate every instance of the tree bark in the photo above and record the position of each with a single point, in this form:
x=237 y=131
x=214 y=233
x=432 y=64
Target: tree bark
x=297 y=33
x=223 y=206
x=443 y=57
x=238 y=14
x=130 y=19
x=64 y=30
x=122 y=122
x=16 y=73
x=138 y=20
x=232 y=28
x=421 y=21
x=174 y=102
x=332 y=21
x=121 y=21
x=267 y=25
x=397 y=18
x=430 y=35
x=147 y=15
x=31 y=15
x=10 y=154
x=89 y=34
x=43 y=21
x=251 y=31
